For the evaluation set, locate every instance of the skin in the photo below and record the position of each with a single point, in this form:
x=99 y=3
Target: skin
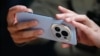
x=16 y=30
x=88 y=32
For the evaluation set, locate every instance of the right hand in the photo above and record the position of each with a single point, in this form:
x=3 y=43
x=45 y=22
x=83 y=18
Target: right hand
x=88 y=32
x=18 y=34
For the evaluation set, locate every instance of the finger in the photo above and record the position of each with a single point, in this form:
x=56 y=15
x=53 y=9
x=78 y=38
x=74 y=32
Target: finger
x=31 y=33
x=64 y=15
x=26 y=36
x=12 y=13
x=25 y=25
x=64 y=10
x=22 y=26
x=24 y=40
x=65 y=45
x=61 y=16
x=30 y=10
x=78 y=35
x=78 y=18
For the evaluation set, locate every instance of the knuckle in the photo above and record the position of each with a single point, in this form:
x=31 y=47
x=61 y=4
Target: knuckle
x=17 y=27
x=84 y=16
x=10 y=29
x=96 y=30
x=87 y=28
x=24 y=34
x=16 y=39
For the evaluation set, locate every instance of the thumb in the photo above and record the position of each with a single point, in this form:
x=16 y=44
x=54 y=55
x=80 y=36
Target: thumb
x=64 y=45
x=88 y=31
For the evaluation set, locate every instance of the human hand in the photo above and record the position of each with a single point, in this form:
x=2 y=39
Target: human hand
x=17 y=30
x=88 y=32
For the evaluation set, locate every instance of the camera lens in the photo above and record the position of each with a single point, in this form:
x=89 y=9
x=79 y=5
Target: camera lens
x=58 y=35
x=57 y=29
x=65 y=37
x=64 y=33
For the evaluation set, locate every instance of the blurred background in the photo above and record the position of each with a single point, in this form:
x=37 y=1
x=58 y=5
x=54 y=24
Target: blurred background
x=46 y=47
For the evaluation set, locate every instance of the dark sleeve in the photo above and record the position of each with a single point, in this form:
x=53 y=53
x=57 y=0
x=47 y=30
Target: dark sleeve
x=6 y=44
x=19 y=2
x=7 y=47
x=4 y=6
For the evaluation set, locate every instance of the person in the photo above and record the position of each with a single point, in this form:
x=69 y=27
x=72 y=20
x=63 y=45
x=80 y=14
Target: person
x=18 y=26
x=66 y=12
x=12 y=30
x=83 y=29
